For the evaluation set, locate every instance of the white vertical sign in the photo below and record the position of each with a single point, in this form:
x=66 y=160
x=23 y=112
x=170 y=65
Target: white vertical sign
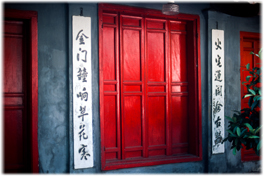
x=218 y=90
x=82 y=92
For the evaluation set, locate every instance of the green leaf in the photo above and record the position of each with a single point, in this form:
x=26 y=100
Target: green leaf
x=259 y=91
x=232 y=134
x=259 y=145
x=252 y=137
x=236 y=141
x=260 y=53
x=249 y=126
x=234 y=151
x=245 y=136
x=254 y=105
x=243 y=131
x=257 y=130
x=248 y=95
x=243 y=83
x=252 y=91
x=251 y=52
x=255 y=98
x=234 y=130
x=248 y=77
x=229 y=118
x=238 y=131
x=247 y=66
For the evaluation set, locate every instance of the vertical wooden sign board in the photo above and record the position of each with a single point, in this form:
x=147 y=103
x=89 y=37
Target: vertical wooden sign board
x=82 y=92
x=218 y=90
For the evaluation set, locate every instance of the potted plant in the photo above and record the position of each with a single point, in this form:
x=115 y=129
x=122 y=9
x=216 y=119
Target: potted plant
x=244 y=126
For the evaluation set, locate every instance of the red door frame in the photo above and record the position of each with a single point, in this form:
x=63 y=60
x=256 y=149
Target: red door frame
x=33 y=57
x=197 y=69
x=247 y=155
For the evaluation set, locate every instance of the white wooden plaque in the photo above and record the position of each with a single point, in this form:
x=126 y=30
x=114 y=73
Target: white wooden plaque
x=82 y=92
x=218 y=90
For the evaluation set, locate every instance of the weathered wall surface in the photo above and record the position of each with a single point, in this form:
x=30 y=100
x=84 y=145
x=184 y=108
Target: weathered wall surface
x=55 y=86
x=232 y=26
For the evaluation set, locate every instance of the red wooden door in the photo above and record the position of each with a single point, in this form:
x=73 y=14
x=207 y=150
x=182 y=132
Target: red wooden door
x=249 y=42
x=148 y=90
x=16 y=115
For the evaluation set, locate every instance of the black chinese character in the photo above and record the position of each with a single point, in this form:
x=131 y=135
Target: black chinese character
x=82 y=74
x=217 y=44
x=81 y=36
x=85 y=54
x=84 y=95
x=83 y=152
x=217 y=60
x=82 y=110
x=218 y=90
x=82 y=133
x=218 y=137
x=217 y=107
x=218 y=75
x=217 y=122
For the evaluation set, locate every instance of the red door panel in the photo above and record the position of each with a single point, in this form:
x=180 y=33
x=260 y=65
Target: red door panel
x=133 y=146
x=146 y=103
x=131 y=68
x=109 y=53
x=179 y=96
x=178 y=57
x=16 y=132
x=131 y=55
x=156 y=57
x=110 y=66
x=249 y=42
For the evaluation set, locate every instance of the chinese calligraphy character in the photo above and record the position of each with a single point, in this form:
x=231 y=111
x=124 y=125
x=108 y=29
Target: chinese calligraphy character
x=217 y=60
x=218 y=137
x=217 y=107
x=81 y=36
x=218 y=75
x=218 y=90
x=82 y=110
x=82 y=133
x=82 y=74
x=85 y=54
x=83 y=152
x=217 y=44
x=217 y=122
x=84 y=95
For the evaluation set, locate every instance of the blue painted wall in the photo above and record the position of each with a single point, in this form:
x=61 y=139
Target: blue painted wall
x=55 y=79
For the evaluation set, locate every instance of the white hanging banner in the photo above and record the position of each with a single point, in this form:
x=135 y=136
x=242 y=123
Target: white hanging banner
x=82 y=92
x=218 y=90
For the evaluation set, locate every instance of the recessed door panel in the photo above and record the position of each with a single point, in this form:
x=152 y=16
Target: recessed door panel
x=110 y=122
x=131 y=55
x=109 y=53
x=133 y=121
x=13 y=63
x=178 y=58
x=179 y=119
x=156 y=56
x=156 y=120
